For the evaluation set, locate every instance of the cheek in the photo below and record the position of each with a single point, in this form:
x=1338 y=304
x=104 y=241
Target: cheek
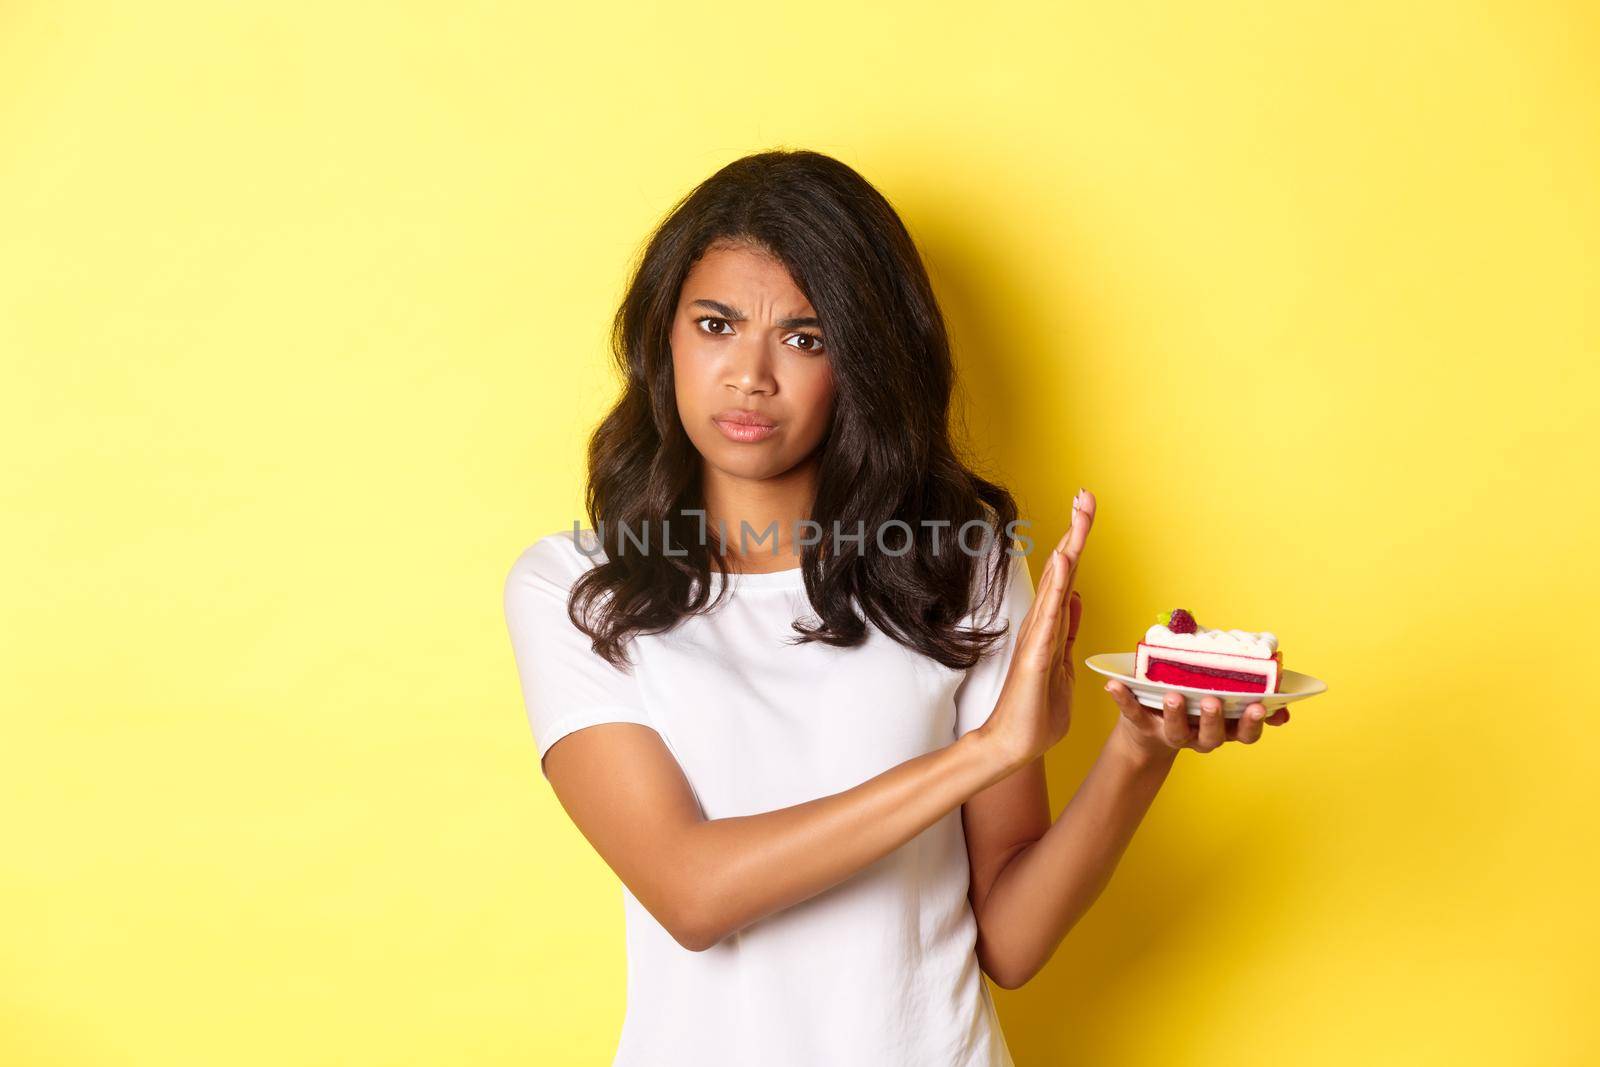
x=687 y=367
x=818 y=392
x=825 y=385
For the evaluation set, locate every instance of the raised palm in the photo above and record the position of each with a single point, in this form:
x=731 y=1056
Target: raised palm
x=1034 y=710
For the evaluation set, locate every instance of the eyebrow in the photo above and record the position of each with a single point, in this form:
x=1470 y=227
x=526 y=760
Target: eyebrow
x=733 y=314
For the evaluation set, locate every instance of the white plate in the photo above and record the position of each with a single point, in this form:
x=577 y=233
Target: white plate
x=1120 y=665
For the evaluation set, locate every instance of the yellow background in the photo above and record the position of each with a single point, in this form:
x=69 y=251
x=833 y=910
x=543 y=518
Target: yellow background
x=303 y=313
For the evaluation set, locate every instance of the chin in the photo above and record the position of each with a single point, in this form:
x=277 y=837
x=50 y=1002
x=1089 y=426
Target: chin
x=747 y=466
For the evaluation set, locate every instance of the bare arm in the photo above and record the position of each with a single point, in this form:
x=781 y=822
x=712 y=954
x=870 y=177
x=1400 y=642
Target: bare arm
x=1032 y=881
x=704 y=879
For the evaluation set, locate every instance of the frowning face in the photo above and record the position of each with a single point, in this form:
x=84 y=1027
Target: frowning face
x=750 y=366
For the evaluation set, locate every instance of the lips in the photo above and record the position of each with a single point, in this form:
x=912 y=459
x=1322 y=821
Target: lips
x=745 y=427
x=741 y=417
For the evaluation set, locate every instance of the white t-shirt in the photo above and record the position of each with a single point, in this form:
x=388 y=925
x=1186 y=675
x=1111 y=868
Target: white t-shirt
x=879 y=970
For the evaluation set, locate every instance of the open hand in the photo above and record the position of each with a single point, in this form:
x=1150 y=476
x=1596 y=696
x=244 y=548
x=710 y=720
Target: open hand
x=1171 y=729
x=1035 y=704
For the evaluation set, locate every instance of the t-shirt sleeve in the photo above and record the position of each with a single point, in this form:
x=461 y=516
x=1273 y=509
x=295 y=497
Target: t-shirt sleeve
x=566 y=685
x=978 y=691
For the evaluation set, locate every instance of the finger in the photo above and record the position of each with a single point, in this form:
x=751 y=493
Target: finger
x=1072 y=541
x=1250 y=724
x=1077 y=535
x=1048 y=577
x=1083 y=506
x=1068 y=631
x=1279 y=717
x=1129 y=704
x=1041 y=645
x=1175 y=721
x=1210 y=725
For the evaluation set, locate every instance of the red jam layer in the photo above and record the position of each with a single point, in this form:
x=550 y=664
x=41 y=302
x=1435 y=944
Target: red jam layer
x=1161 y=670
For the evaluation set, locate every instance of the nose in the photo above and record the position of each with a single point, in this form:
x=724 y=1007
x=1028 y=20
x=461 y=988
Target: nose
x=749 y=368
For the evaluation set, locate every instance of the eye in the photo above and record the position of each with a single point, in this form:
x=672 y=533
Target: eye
x=814 y=346
x=711 y=318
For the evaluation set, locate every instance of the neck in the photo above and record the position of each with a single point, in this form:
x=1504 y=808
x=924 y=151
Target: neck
x=779 y=502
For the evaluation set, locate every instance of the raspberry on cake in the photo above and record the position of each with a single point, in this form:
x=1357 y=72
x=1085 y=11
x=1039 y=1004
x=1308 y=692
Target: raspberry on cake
x=1179 y=651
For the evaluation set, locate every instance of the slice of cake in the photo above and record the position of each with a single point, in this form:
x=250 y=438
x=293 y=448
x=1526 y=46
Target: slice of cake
x=1179 y=651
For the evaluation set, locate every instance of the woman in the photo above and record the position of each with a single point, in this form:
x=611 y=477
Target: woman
x=819 y=771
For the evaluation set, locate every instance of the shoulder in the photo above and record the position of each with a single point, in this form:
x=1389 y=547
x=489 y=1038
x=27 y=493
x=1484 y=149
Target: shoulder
x=556 y=559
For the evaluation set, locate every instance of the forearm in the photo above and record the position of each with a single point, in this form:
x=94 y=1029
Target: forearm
x=1048 y=886
x=751 y=866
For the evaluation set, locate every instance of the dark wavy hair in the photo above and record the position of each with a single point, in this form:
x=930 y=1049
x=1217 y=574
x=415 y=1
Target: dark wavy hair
x=887 y=455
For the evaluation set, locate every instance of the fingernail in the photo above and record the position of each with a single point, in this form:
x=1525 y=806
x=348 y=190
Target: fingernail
x=1108 y=687
x=1172 y=701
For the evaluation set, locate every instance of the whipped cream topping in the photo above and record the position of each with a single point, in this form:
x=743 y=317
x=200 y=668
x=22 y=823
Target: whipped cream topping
x=1205 y=639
